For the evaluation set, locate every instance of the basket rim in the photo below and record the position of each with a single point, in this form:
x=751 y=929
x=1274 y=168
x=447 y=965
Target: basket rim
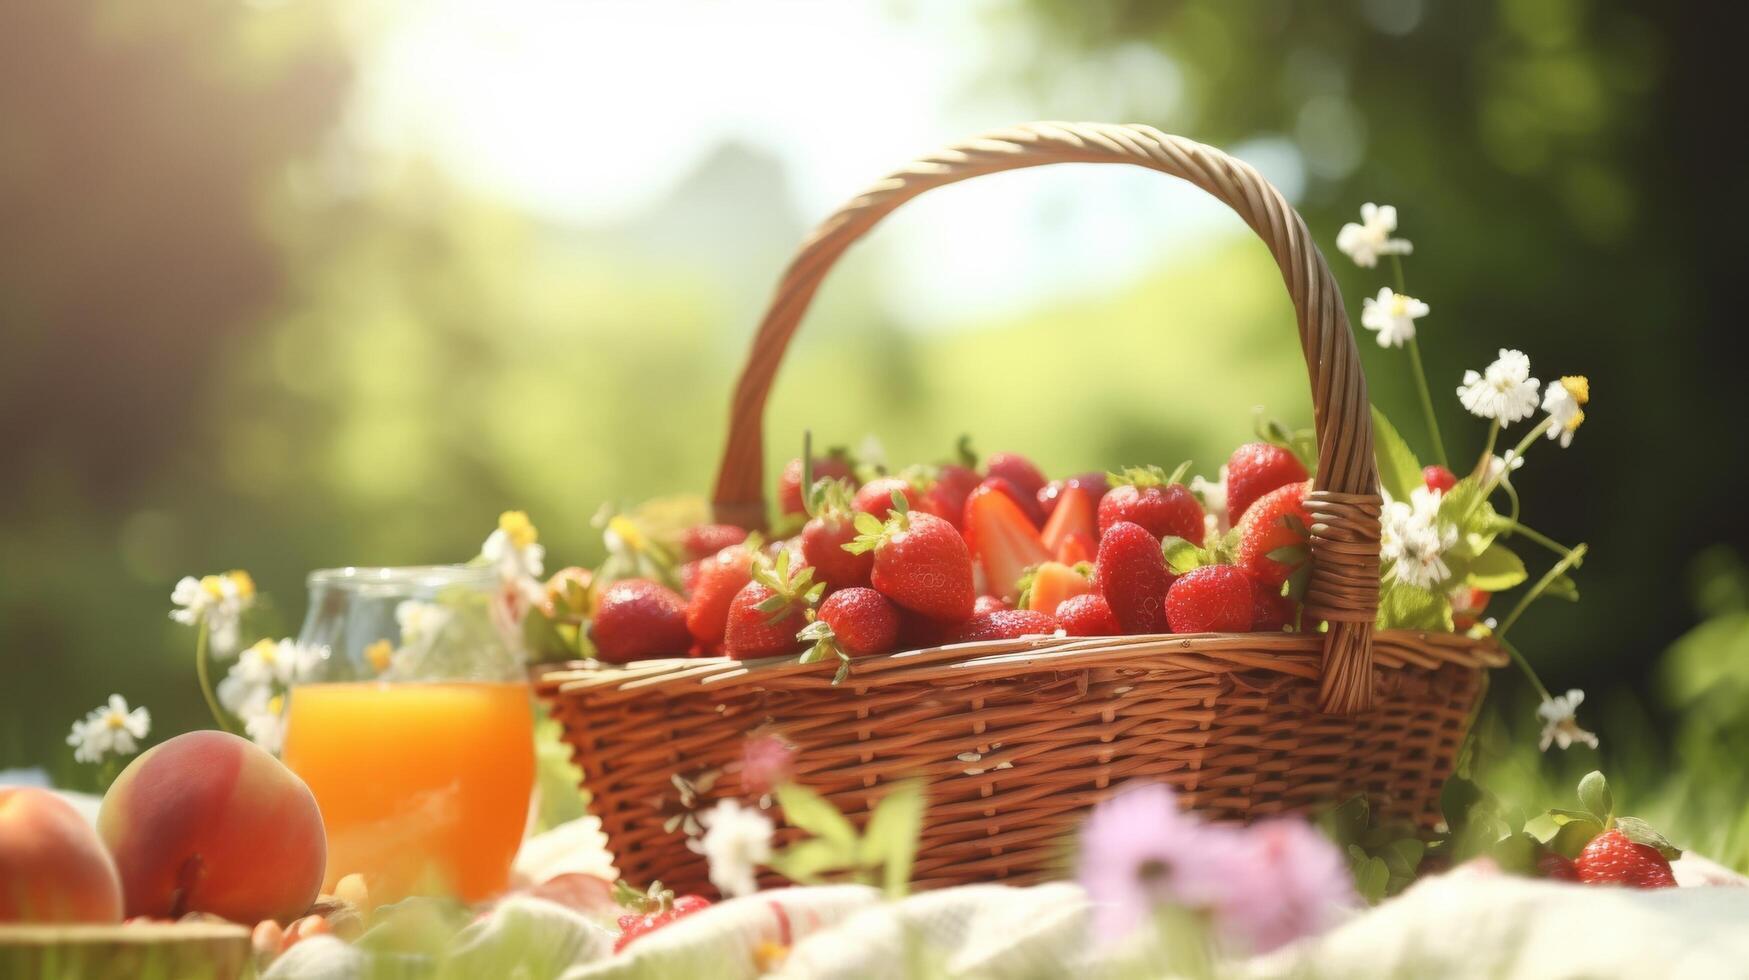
x=1288 y=654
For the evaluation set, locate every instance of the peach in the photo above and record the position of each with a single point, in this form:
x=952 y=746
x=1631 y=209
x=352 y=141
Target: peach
x=52 y=866
x=209 y=822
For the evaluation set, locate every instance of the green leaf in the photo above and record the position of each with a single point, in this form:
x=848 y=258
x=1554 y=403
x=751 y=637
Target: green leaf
x=1562 y=586
x=1595 y=797
x=1182 y=555
x=1177 y=475
x=893 y=831
x=806 y=809
x=1641 y=832
x=1403 y=856
x=1455 y=799
x=1372 y=879
x=1572 y=837
x=1496 y=569
x=1409 y=607
x=1346 y=823
x=1399 y=470
x=1290 y=554
x=804 y=861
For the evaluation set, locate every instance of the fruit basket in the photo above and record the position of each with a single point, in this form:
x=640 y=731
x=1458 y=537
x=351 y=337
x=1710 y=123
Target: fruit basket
x=1018 y=738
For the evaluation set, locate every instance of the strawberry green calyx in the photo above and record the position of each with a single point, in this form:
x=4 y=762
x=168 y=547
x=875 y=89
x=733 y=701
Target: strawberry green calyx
x=963 y=452
x=1148 y=476
x=1566 y=832
x=872 y=532
x=825 y=645
x=787 y=591
x=657 y=898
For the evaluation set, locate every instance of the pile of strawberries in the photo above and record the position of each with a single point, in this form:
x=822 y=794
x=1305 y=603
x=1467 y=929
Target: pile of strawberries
x=951 y=553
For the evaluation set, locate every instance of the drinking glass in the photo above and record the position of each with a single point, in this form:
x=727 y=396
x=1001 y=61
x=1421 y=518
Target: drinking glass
x=414 y=729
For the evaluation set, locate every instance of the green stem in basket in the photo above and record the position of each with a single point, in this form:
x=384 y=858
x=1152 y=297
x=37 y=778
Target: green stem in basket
x=202 y=657
x=1574 y=557
x=1529 y=671
x=1421 y=388
x=1487 y=449
x=1538 y=537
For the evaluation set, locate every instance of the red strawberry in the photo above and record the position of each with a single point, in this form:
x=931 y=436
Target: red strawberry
x=705 y=540
x=1076 y=514
x=876 y=496
x=770 y=610
x=1095 y=484
x=1160 y=504
x=1271 y=612
x=988 y=603
x=835 y=465
x=1210 y=599
x=1467 y=604
x=1003 y=541
x=919 y=632
x=1278 y=519
x=1612 y=859
x=851 y=623
x=1077 y=548
x=946 y=496
x=1132 y=576
x=1027 y=504
x=1087 y=615
x=1438 y=478
x=1553 y=866
x=832 y=526
x=1016 y=469
x=719 y=578
x=634 y=925
x=689 y=576
x=1253 y=470
x=920 y=562
x=637 y=619
x=1051 y=583
x=1005 y=624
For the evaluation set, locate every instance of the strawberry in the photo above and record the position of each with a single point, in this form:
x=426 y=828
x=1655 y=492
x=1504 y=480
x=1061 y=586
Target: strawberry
x=1159 y=503
x=946 y=496
x=1467 y=604
x=835 y=465
x=831 y=527
x=853 y=622
x=1133 y=578
x=689 y=576
x=1271 y=612
x=1050 y=583
x=1553 y=866
x=770 y=610
x=1005 y=624
x=1253 y=470
x=634 y=925
x=705 y=540
x=1095 y=484
x=1076 y=514
x=1017 y=470
x=876 y=496
x=919 y=632
x=1077 y=548
x=1027 y=503
x=989 y=603
x=1210 y=599
x=1087 y=615
x=1438 y=478
x=1277 y=520
x=1612 y=859
x=720 y=577
x=637 y=619
x=920 y=562
x=1002 y=539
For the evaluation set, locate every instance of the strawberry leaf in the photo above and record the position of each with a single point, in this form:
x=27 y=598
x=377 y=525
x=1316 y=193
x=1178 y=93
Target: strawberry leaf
x=1290 y=554
x=1178 y=473
x=1399 y=470
x=1495 y=569
x=1641 y=832
x=891 y=840
x=804 y=808
x=1562 y=587
x=1595 y=797
x=1409 y=607
x=1562 y=833
x=1181 y=555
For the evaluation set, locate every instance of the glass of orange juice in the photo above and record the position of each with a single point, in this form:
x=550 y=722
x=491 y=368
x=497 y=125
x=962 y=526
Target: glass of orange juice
x=414 y=729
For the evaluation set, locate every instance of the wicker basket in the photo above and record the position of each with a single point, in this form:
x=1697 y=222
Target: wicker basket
x=1018 y=738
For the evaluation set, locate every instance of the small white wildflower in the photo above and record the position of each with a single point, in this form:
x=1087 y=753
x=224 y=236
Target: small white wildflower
x=264 y=720
x=112 y=728
x=1562 y=401
x=1392 y=315
x=515 y=550
x=1499 y=469
x=1505 y=391
x=217 y=600
x=736 y=841
x=266 y=667
x=1561 y=721
x=1413 y=540
x=1365 y=242
x=420 y=621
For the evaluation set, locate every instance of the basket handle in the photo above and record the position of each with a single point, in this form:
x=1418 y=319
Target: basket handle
x=1344 y=504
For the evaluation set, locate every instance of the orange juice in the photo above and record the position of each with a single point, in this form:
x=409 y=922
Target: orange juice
x=424 y=787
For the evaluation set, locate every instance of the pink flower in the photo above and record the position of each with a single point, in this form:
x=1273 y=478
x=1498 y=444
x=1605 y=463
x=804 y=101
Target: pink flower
x=767 y=762
x=1289 y=882
x=1139 y=851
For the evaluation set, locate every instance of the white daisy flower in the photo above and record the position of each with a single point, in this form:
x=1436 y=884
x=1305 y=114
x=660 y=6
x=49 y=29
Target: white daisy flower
x=266 y=667
x=1561 y=721
x=264 y=720
x=1505 y=391
x=109 y=729
x=217 y=600
x=1562 y=401
x=736 y=841
x=420 y=622
x=515 y=550
x=1365 y=242
x=1413 y=540
x=1500 y=468
x=1392 y=315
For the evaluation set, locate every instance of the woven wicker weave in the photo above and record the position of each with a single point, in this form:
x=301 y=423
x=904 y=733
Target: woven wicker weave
x=1017 y=738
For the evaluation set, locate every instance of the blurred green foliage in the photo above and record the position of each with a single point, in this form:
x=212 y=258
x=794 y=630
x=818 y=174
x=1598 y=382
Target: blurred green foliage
x=229 y=340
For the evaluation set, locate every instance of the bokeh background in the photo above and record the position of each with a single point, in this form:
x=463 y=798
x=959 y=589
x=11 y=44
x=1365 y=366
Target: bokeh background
x=288 y=285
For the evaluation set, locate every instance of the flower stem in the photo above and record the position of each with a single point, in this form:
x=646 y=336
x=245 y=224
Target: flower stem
x=202 y=654
x=1524 y=665
x=1487 y=448
x=1573 y=557
x=1540 y=538
x=1420 y=372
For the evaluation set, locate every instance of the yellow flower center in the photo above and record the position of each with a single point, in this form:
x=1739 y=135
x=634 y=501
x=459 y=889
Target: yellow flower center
x=629 y=532
x=241 y=581
x=212 y=586
x=516 y=525
x=1577 y=420
x=277 y=705
x=115 y=719
x=1399 y=304
x=378 y=654
x=267 y=650
x=1578 y=386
